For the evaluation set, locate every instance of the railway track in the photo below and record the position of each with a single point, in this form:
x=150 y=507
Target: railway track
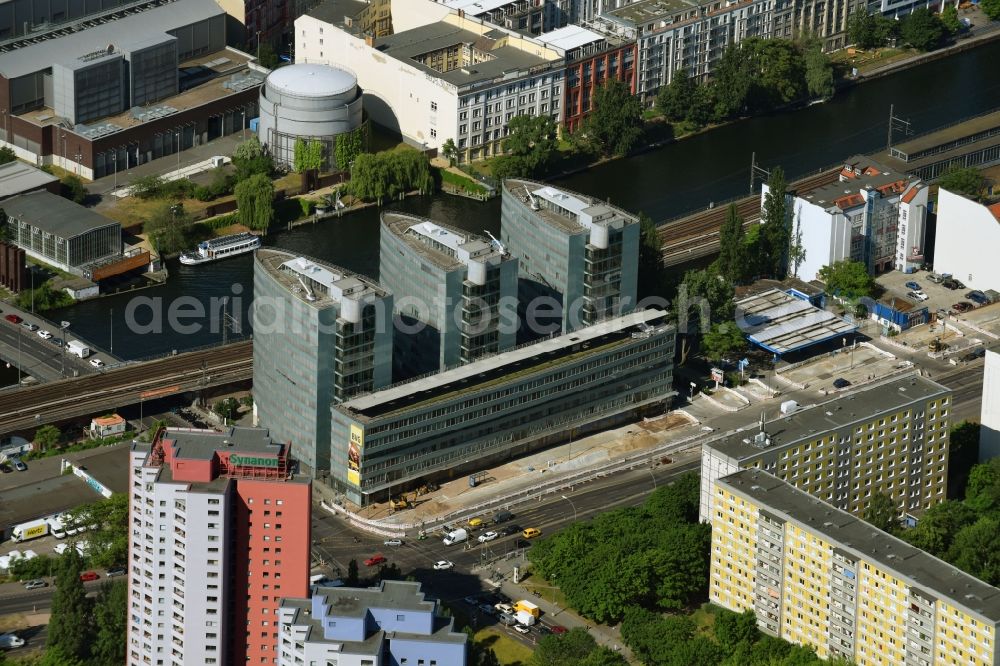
x=55 y=401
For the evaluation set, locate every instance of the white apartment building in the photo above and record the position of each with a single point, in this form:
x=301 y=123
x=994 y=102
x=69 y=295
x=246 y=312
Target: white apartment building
x=989 y=433
x=968 y=235
x=870 y=214
x=458 y=78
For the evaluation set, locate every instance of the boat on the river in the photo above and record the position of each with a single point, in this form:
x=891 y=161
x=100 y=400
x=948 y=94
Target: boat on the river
x=221 y=248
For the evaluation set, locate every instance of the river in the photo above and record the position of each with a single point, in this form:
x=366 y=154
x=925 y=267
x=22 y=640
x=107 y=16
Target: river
x=665 y=183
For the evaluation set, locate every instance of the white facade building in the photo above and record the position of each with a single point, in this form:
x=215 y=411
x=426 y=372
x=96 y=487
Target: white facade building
x=989 y=433
x=870 y=214
x=458 y=78
x=968 y=235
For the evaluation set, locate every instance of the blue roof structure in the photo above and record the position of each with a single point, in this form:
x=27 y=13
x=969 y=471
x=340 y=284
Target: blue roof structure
x=780 y=322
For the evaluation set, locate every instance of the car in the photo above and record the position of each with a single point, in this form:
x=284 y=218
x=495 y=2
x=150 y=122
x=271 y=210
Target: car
x=935 y=278
x=443 y=565
x=475 y=523
x=510 y=529
x=13 y=318
x=950 y=284
x=507 y=619
x=58 y=342
x=977 y=297
x=375 y=560
x=913 y=286
x=487 y=536
x=35 y=584
x=962 y=306
x=504 y=608
x=543 y=629
x=392 y=542
x=556 y=629
x=28 y=325
x=97 y=363
x=471 y=600
x=840 y=383
x=486 y=609
x=44 y=335
x=117 y=571
x=88 y=576
x=60 y=548
x=917 y=296
x=502 y=517
x=958 y=283
x=531 y=533
x=521 y=629
x=18 y=465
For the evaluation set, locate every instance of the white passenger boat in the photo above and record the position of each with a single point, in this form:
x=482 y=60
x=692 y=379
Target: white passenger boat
x=221 y=248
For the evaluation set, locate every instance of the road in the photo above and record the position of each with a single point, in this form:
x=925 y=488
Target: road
x=37 y=357
x=29 y=407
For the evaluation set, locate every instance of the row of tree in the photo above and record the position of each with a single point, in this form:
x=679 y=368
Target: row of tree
x=387 y=175
x=312 y=156
x=921 y=28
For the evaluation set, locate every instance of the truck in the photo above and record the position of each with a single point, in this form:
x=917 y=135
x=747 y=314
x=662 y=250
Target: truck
x=29 y=530
x=78 y=348
x=456 y=536
x=524 y=606
x=525 y=618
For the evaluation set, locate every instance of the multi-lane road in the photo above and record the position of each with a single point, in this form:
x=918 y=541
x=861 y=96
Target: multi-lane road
x=38 y=358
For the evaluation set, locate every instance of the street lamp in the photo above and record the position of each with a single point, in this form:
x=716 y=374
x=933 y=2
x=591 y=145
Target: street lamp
x=243 y=123
x=258 y=47
x=572 y=505
x=178 y=135
x=64 y=326
x=114 y=158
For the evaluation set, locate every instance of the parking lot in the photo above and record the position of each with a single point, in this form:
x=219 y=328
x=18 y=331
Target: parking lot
x=939 y=296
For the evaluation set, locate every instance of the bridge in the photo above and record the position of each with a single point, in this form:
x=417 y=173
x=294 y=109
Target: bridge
x=129 y=384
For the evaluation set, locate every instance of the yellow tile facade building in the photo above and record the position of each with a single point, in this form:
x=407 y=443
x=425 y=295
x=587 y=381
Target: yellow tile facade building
x=890 y=438
x=816 y=575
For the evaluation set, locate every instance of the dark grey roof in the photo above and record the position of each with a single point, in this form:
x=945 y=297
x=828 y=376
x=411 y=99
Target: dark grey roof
x=55 y=214
x=917 y=568
x=334 y=11
x=314 y=629
x=202 y=444
x=355 y=601
x=17 y=177
x=123 y=33
x=855 y=407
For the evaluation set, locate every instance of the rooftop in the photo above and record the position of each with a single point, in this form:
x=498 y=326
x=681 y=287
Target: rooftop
x=564 y=209
x=946 y=135
x=312 y=79
x=475 y=7
x=55 y=214
x=501 y=367
x=334 y=11
x=121 y=34
x=199 y=444
x=859 y=173
x=316 y=282
x=570 y=37
x=782 y=323
x=355 y=601
x=17 y=177
x=650 y=11
x=917 y=568
x=503 y=61
x=857 y=406
x=995 y=210
x=448 y=247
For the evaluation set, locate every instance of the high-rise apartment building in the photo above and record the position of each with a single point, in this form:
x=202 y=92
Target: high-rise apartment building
x=890 y=437
x=578 y=250
x=321 y=335
x=816 y=575
x=989 y=432
x=448 y=288
x=219 y=532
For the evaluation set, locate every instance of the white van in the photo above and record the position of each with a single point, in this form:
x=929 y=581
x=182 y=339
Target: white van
x=456 y=536
x=78 y=348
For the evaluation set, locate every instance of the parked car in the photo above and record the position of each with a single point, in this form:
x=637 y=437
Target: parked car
x=44 y=335
x=950 y=284
x=443 y=565
x=935 y=278
x=977 y=297
x=58 y=342
x=487 y=536
x=392 y=542
x=840 y=383
x=917 y=296
x=28 y=325
x=914 y=286
x=13 y=318
x=543 y=629
x=521 y=629
x=962 y=306
x=117 y=571
x=97 y=363
x=507 y=619
x=486 y=609
x=471 y=600
x=504 y=608
x=556 y=629
x=531 y=533
x=35 y=584
x=87 y=576
x=18 y=465
x=375 y=560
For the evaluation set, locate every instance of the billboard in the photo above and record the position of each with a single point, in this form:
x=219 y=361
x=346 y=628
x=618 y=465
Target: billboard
x=354 y=449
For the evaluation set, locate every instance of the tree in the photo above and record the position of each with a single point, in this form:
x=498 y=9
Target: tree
x=963 y=452
x=530 y=145
x=723 y=340
x=991 y=8
x=869 y=31
x=615 y=120
x=255 y=201
x=731 y=628
x=109 y=540
x=966 y=180
x=705 y=295
x=847 y=279
x=376 y=177
x=949 y=19
x=111 y=623
x=731 y=81
x=47 y=437
x=922 y=30
x=352 y=573
x=775 y=234
x=937 y=528
x=676 y=99
x=70 y=626
x=71 y=187
x=732 y=256
x=603 y=656
x=488 y=658
x=778 y=72
x=651 y=271
x=449 y=151
x=266 y=55
x=653 y=637
x=569 y=649
x=165 y=228
x=250 y=159
x=976 y=549
x=982 y=492
x=349 y=146
x=7 y=154
x=882 y=513
x=819 y=72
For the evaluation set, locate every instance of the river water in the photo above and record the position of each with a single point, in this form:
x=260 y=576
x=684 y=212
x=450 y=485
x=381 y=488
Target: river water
x=664 y=183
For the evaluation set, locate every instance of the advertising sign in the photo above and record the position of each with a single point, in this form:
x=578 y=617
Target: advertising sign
x=36 y=531
x=354 y=449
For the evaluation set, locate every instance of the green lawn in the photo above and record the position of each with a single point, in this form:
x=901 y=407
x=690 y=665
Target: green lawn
x=509 y=652
x=704 y=618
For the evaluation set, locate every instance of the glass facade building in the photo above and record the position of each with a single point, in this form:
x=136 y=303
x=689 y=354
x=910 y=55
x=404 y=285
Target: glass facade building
x=321 y=335
x=500 y=407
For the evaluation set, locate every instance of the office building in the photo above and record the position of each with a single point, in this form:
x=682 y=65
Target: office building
x=496 y=408
x=392 y=623
x=989 y=432
x=455 y=78
x=321 y=335
x=818 y=576
x=57 y=231
x=576 y=249
x=449 y=288
x=968 y=232
x=890 y=437
x=871 y=214
x=525 y=16
x=219 y=532
x=126 y=86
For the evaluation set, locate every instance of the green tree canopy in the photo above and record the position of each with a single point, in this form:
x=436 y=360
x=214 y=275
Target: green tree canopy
x=819 y=71
x=847 y=279
x=938 y=526
x=965 y=180
x=732 y=247
x=731 y=628
x=255 y=201
x=982 y=492
x=882 y=513
x=976 y=549
x=869 y=31
x=109 y=541
x=250 y=159
x=949 y=19
x=387 y=175
x=71 y=187
x=70 y=626
x=529 y=146
x=775 y=232
x=165 y=227
x=676 y=99
x=47 y=437
x=704 y=297
x=723 y=340
x=111 y=623
x=922 y=30
x=652 y=276
x=7 y=154
x=348 y=146
x=569 y=649
x=963 y=452
x=991 y=8
x=615 y=121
